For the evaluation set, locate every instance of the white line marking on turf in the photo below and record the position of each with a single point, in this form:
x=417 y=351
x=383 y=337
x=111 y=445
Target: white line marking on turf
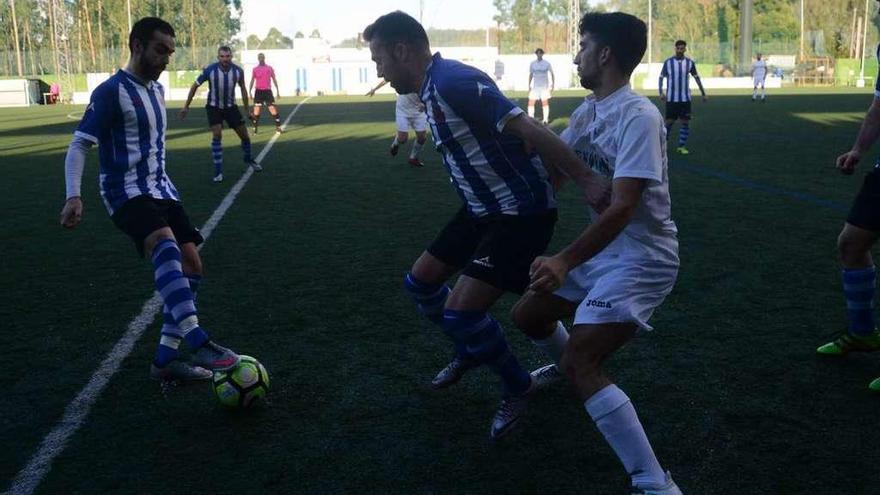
x=76 y=412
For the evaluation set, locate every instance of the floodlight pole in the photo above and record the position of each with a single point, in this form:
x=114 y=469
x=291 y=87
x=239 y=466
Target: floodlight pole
x=802 y=30
x=861 y=82
x=128 y=6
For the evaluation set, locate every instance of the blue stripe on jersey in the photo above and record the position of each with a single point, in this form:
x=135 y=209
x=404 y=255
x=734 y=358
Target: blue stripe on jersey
x=126 y=118
x=877 y=81
x=221 y=85
x=460 y=161
x=490 y=170
x=678 y=79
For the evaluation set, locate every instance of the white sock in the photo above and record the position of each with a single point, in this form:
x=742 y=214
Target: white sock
x=616 y=418
x=547 y=113
x=754 y=93
x=417 y=146
x=395 y=142
x=553 y=345
x=532 y=111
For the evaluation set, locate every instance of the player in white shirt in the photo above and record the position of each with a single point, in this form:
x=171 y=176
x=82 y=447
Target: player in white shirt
x=621 y=268
x=759 y=74
x=541 y=83
x=409 y=113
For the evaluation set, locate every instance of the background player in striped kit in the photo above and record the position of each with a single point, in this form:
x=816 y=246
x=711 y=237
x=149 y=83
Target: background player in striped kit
x=409 y=112
x=678 y=70
x=541 y=84
x=126 y=119
x=509 y=207
x=223 y=77
x=759 y=74
x=263 y=74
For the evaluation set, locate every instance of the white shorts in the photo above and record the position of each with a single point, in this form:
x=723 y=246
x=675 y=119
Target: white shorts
x=759 y=81
x=416 y=122
x=614 y=290
x=540 y=94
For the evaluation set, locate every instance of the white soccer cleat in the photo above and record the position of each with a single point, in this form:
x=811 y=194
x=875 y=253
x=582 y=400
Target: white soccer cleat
x=670 y=488
x=512 y=409
x=547 y=375
x=218 y=178
x=452 y=373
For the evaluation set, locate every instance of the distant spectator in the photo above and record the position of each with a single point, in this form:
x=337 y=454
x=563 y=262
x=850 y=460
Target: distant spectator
x=54 y=93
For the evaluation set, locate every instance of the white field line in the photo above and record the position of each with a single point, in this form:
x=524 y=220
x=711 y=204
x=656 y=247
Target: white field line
x=76 y=412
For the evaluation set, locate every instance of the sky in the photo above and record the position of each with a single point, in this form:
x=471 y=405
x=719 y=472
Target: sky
x=341 y=19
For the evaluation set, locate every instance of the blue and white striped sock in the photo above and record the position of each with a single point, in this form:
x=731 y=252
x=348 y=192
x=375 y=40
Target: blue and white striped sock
x=217 y=155
x=176 y=293
x=858 y=289
x=683 y=133
x=171 y=335
x=430 y=301
x=246 y=148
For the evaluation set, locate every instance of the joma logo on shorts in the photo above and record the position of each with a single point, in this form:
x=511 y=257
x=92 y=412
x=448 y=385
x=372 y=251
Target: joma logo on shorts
x=598 y=304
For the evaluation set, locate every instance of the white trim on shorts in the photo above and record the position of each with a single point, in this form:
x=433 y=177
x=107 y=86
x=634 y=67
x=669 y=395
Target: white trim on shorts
x=540 y=94
x=416 y=122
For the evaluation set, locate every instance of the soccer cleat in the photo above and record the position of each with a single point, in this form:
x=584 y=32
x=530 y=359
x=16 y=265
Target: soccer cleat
x=512 y=409
x=394 y=149
x=255 y=130
x=452 y=373
x=848 y=342
x=874 y=386
x=682 y=150
x=215 y=357
x=278 y=130
x=546 y=376
x=670 y=488
x=415 y=162
x=218 y=178
x=179 y=370
x=254 y=165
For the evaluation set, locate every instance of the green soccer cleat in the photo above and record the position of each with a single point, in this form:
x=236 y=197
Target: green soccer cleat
x=874 y=386
x=682 y=150
x=848 y=342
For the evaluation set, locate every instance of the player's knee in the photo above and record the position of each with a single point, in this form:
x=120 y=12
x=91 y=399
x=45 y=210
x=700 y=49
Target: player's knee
x=580 y=361
x=402 y=138
x=190 y=260
x=525 y=317
x=852 y=250
x=421 y=138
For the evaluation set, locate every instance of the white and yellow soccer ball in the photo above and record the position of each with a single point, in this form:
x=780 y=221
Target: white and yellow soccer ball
x=243 y=385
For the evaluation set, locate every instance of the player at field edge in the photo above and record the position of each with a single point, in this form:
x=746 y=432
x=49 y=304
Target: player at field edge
x=542 y=81
x=614 y=275
x=859 y=234
x=126 y=118
x=759 y=76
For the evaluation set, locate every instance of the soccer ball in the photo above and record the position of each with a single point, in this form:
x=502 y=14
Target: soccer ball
x=243 y=385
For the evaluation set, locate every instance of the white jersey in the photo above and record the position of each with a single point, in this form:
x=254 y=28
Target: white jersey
x=409 y=106
x=623 y=136
x=759 y=68
x=540 y=70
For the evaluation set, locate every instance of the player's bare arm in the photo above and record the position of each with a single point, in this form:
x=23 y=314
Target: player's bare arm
x=251 y=87
x=700 y=85
x=244 y=97
x=868 y=134
x=189 y=98
x=548 y=272
x=556 y=153
x=275 y=81
x=371 y=92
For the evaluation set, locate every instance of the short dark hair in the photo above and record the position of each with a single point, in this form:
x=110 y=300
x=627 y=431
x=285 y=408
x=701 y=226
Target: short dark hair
x=541 y=50
x=397 y=27
x=681 y=43
x=224 y=48
x=626 y=35
x=144 y=28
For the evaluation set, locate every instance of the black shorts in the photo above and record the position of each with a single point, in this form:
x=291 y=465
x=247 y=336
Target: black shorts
x=865 y=211
x=264 y=97
x=142 y=215
x=678 y=110
x=498 y=249
x=231 y=115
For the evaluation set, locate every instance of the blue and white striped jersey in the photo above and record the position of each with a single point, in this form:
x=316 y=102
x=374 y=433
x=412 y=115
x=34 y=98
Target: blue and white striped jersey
x=491 y=171
x=678 y=72
x=221 y=84
x=126 y=119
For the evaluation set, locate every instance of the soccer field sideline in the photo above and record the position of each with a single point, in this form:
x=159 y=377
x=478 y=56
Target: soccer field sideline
x=29 y=478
